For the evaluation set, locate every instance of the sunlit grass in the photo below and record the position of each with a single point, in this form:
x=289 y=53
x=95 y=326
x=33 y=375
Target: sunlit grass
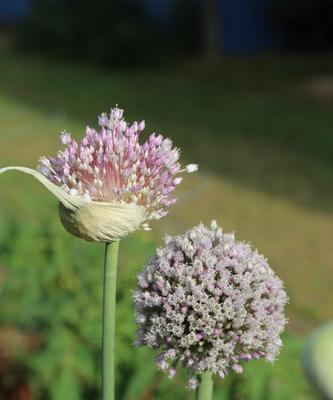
x=263 y=149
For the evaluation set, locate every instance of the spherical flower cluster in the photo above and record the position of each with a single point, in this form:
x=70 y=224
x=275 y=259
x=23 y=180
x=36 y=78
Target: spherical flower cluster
x=112 y=166
x=209 y=302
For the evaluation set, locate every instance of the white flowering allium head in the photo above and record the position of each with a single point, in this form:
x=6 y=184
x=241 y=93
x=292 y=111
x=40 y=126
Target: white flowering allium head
x=111 y=165
x=109 y=184
x=209 y=302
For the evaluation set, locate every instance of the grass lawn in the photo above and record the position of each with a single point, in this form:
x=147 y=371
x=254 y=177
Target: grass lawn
x=260 y=129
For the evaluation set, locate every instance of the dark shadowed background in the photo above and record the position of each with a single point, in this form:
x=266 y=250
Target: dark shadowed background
x=245 y=89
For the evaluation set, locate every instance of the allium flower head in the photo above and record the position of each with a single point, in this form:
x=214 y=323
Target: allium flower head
x=109 y=184
x=209 y=302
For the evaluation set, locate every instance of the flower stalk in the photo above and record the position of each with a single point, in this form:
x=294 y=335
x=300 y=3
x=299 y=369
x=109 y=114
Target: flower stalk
x=205 y=389
x=109 y=313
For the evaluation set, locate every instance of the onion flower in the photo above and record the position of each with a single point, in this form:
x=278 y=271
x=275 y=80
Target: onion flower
x=109 y=184
x=210 y=303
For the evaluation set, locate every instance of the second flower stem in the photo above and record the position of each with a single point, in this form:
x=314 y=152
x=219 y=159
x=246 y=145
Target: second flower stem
x=109 y=314
x=205 y=389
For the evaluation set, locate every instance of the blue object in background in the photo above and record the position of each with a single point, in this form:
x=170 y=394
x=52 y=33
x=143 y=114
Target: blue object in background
x=12 y=11
x=246 y=26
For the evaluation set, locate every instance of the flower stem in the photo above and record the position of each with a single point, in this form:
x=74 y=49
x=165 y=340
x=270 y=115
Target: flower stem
x=205 y=389
x=109 y=314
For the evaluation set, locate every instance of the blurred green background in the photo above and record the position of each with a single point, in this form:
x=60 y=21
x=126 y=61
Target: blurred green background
x=260 y=128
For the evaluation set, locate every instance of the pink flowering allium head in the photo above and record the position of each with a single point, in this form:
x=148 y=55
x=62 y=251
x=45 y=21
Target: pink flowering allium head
x=109 y=184
x=209 y=302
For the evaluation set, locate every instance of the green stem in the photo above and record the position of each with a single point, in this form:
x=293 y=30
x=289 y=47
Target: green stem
x=109 y=314
x=205 y=389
